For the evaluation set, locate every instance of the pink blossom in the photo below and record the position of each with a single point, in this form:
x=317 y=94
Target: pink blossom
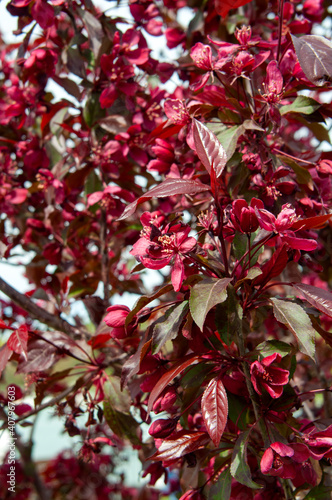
x=282 y=226
x=159 y=248
x=116 y=319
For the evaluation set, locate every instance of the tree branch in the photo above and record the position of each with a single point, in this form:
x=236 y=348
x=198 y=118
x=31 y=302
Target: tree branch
x=37 y=312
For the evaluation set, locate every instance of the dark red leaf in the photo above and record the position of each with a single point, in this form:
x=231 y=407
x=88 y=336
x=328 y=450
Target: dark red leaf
x=169 y=187
x=317 y=297
x=208 y=148
x=224 y=6
x=132 y=365
x=215 y=409
x=327 y=336
x=181 y=365
x=18 y=341
x=182 y=442
x=311 y=222
x=39 y=359
x=274 y=266
x=315 y=57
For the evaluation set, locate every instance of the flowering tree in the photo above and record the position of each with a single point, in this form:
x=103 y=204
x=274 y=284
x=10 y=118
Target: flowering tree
x=221 y=187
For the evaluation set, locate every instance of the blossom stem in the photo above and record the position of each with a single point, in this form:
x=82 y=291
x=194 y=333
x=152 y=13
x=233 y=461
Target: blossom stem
x=260 y=244
x=250 y=388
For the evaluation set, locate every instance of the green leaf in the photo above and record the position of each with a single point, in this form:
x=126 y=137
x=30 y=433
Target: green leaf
x=319 y=492
x=167 y=327
x=228 y=317
x=252 y=274
x=239 y=468
x=221 y=490
x=205 y=295
x=296 y=319
x=240 y=244
x=271 y=346
x=92 y=111
x=119 y=399
x=122 y=424
x=238 y=411
x=302 y=104
x=303 y=175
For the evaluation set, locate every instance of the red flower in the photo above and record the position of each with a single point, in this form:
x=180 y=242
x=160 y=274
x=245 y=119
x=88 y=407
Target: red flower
x=243 y=217
x=273 y=84
x=270 y=378
x=282 y=460
x=116 y=319
x=319 y=442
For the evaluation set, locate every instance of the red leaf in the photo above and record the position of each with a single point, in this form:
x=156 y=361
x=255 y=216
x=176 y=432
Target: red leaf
x=182 y=442
x=315 y=57
x=274 y=266
x=170 y=375
x=321 y=299
x=215 y=409
x=224 y=6
x=327 y=336
x=169 y=187
x=311 y=222
x=40 y=358
x=165 y=130
x=5 y=354
x=18 y=341
x=208 y=149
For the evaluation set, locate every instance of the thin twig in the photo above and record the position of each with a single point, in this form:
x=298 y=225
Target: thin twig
x=37 y=312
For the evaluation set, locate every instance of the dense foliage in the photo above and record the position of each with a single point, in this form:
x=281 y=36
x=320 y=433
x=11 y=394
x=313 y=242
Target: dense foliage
x=212 y=170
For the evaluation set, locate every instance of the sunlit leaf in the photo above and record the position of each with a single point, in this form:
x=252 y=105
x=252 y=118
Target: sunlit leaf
x=208 y=149
x=215 y=409
x=18 y=341
x=182 y=442
x=169 y=187
x=302 y=104
x=317 y=297
x=271 y=346
x=39 y=359
x=315 y=57
x=205 y=295
x=296 y=319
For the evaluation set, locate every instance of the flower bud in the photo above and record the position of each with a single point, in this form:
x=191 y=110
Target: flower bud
x=162 y=428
